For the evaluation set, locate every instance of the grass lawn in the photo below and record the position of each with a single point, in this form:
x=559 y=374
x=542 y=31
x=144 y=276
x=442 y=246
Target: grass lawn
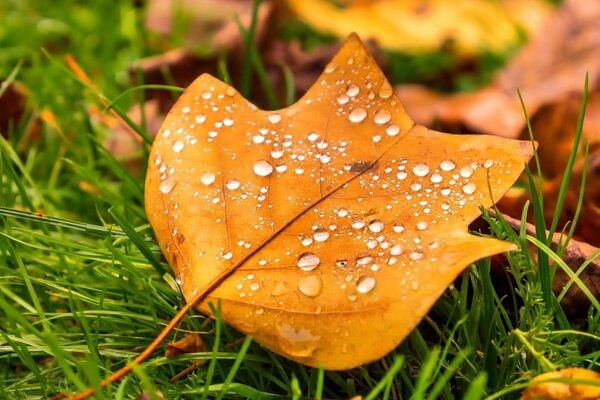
x=83 y=288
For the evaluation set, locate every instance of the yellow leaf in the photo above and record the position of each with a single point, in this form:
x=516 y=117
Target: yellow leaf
x=421 y=26
x=331 y=226
x=543 y=388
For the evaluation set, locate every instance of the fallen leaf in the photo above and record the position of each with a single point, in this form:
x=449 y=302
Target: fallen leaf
x=576 y=253
x=13 y=98
x=540 y=390
x=427 y=26
x=191 y=343
x=329 y=228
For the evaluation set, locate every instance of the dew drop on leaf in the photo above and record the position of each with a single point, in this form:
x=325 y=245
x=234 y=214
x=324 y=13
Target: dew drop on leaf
x=207 y=178
x=447 y=165
x=365 y=284
x=311 y=285
x=382 y=116
x=232 y=184
x=392 y=130
x=357 y=115
x=376 y=226
x=469 y=188
x=167 y=185
x=421 y=169
x=320 y=235
x=178 y=146
x=352 y=90
x=308 y=261
x=263 y=168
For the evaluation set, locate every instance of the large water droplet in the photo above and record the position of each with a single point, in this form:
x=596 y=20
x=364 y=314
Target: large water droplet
x=392 y=130
x=274 y=118
x=263 y=168
x=382 y=117
x=342 y=212
x=399 y=228
x=207 y=178
x=469 y=188
x=320 y=235
x=311 y=285
x=343 y=99
x=365 y=284
x=357 y=115
x=308 y=261
x=396 y=250
x=436 y=178
x=358 y=223
x=178 y=146
x=232 y=184
x=376 y=226
x=420 y=169
x=167 y=185
x=352 y=90
x=466 y=171
x=447 y=165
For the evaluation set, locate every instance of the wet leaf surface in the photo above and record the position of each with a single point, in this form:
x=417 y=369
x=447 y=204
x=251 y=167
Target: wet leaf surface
x=337 y=222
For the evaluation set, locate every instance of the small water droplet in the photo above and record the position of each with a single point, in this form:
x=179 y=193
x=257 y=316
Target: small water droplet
x=420 y=169
x=469 y=188
x=357 y=115
x=365 y=284
x=167 y=185
x=358 y=223
x=447 y=165
x=445 y=191
x=416 y=186
x=228 y=255
x=436 y=178
x=185 y=110
x=376 y=138
x=232 y=184
x=342 y=212
x=200 y=118
x=343 y=99
x=392 y=130
x=422 y=225
x=401 y=175
x=330 y=68
x=414 y=284
x=376 y=226
x=352 y=90
x=263 y=168
x=228 y=122
x=178 y=146
x=274 y=118
x=382 y=116
x=277 y=154
x=416 y=255
x=281 y=168
x=206 y=95
x=258 y=139
x=208 y=178
x=166 y=133
x=399 y=228
x=466 y=171
x=311 y=285
x=308 y=261
x=254 y=286
x=179 y=278
x=364 y=259
x=385 y=90
x=488 y=163
x=324 y=159
x=313 y=136
x=320 y=235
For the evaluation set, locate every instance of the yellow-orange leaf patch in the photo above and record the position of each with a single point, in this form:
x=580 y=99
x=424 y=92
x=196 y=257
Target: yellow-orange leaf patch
x=337 y=221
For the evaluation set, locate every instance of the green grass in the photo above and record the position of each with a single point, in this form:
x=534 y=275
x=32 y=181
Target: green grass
x=83 y=288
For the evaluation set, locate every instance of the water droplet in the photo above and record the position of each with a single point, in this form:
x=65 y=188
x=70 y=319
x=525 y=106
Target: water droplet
x=365 y=284
x=396 y=250
x=200 y=118
x=263 y=168
x=447 y=165
x=357 y=115
x=330 y=68
x=382 y=117
x=178 y=146
x=311 y=285
x=488 y=163
x=392 y=130
x=342 y=212
x=281 y=168
x=167 y=185
x=313 y=136
x=358 y=223
x=230 y=91
x=352 y=90
x=274 y=118
x=258 y=139
x=422 y=225
x=364 y=259
x=420 y=169
x=254 y=286
x=207 y=178
x=341 y=263
x=436 y=178
x=262 y=262
x=166 y=133
x=206 y=95
x=385 y=90
x=324 y=159
x=228 y=122
x=228 y=255
x=376 y=226
x=232 y=184
x=445 y=191
x=277 y=154
x=416 y=186
x=469 y=188
x=376 y=138
x=320 y=235
x=399 y=228
x=185 y=110
x=401 y=175
x=466 y=171
x=308 y=261
x=343 y=99
x=416 y=255
x=414 y=284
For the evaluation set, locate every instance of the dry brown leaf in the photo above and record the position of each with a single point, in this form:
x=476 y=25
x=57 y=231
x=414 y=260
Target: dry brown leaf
x=564 y=390
x=331 y=226
x=425 y=26
x=13 y=99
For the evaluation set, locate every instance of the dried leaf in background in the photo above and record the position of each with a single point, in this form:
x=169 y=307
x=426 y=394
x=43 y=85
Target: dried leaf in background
x=333 y=225
x=564 y=390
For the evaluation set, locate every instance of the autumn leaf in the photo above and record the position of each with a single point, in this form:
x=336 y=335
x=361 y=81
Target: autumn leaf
x=422 y=26
x=326 y=230
x=556 y=385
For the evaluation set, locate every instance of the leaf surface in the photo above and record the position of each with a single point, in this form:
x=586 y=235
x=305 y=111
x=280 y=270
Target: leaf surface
x=337 y=221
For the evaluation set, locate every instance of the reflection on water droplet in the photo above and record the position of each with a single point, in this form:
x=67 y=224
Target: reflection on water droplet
x=311 y=285
x=262 y=168
x=342 y=212
x=392 y=130
x=358 y=223
x=320 y=235
x=398 y=228
x=401 y=175
x=343 y=99
x=447 y=165
x=396 y=250
x=228 y=122
x=436 y=178
x=178 y=146
x=232 y=184
x=274 y=118
x=313 y=136
x=352 y=90
x=416 y=186
x=469 y=188
x=364 y=259
x=376 y=226
x=466 y=171
x=308 y=261
x=365 y=284
x=208 y=178
x=357 y=115
x=200 y=118
x=420 y=169
x=416 y=255
x=382 y=116
x=422 y=225
x=167 y=185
